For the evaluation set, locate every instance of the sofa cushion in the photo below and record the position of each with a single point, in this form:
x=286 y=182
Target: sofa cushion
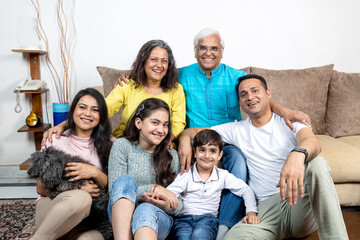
x=351 y=140
x=348 y=194
x=100 y=89
x=109 y=77
x=343 y=107
x=301 y=89
x=342 y=158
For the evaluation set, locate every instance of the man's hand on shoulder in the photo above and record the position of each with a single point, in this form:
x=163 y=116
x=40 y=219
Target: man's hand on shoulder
x=185 y=153
x=123 y=78
x=296 y=116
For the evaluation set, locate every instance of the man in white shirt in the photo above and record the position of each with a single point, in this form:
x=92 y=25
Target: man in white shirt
x=293 y=186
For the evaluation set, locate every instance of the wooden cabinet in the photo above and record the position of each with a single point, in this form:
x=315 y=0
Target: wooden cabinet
x=34 y=59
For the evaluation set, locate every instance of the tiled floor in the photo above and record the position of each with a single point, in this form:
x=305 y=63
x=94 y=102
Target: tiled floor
x=15 y=183
x=18 y=192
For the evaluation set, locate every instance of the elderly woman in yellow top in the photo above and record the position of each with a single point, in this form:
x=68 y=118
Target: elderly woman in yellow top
x=153 y=75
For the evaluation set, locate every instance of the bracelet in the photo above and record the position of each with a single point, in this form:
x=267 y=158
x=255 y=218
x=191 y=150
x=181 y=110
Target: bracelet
x=155 y=187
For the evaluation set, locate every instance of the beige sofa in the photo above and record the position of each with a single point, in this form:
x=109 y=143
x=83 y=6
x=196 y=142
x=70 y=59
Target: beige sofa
x=332 y=100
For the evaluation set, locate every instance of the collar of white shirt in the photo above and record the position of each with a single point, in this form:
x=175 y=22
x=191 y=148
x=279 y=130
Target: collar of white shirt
x=195 y=174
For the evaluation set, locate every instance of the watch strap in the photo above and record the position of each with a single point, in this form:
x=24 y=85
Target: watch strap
x=302 y=150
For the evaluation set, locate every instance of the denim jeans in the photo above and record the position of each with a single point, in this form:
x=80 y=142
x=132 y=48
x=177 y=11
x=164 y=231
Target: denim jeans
x=145 y=214
x=195 y=227
x=232 y=206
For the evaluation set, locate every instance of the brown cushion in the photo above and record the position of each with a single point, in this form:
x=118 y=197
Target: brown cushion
x=100 y=89
x=247 y=70
x=301 y=89
x=342 y=158
x=343 y=108
x=109 y=77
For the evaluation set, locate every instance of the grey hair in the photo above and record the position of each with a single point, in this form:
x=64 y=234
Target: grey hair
x=205 y=32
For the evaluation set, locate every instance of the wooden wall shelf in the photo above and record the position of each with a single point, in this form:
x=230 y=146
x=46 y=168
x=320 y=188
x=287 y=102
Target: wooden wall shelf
x=44 y=127
x=26 y=165
x=40 y=52
x=34 y=59
x=42 y=90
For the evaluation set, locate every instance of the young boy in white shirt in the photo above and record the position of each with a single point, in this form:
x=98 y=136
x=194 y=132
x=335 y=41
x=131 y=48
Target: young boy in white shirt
x=201 y=188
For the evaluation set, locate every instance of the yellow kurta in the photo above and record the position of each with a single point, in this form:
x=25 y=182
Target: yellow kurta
x=130 y=97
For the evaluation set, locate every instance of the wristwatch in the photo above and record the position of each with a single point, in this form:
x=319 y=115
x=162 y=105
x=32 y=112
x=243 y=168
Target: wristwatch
x=302 y=150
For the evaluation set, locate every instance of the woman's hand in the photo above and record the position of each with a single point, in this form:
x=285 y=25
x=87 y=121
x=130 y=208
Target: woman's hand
x=291 y=116
x=156 y=199
x=91 y=188
x=80 y=171
x=251 y=218
x=167 y=194
x=59 y=129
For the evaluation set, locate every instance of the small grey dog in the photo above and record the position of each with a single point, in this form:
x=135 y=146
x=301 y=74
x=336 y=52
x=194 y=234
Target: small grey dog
x=48 y=166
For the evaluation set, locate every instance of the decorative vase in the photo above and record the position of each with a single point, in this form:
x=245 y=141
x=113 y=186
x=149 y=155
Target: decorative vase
x=33 y=120
x=60 y=111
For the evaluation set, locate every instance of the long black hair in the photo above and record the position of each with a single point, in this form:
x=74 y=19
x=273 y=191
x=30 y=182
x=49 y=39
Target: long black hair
x=102 y=132
x=138 y=74
x=161 y=158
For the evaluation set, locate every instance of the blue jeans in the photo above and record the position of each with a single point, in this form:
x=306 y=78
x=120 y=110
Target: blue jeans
x=232 y=206
x=145 y=214
x=195 y=227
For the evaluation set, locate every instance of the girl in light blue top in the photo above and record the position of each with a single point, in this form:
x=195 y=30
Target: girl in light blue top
x=141 y=162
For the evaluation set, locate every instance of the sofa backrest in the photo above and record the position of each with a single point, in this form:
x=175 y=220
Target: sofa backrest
x=330 y=98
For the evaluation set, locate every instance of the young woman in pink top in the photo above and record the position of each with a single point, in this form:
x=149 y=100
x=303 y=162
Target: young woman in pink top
x=87 y=135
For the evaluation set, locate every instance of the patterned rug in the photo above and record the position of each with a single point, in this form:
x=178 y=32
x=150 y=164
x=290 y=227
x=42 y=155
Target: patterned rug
x=17 y=219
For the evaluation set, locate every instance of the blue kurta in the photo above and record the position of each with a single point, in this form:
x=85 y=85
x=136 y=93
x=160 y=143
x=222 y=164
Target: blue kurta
x=213 y=101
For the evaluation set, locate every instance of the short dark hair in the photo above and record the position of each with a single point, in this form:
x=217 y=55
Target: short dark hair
x=210 y=137
x=249 y=76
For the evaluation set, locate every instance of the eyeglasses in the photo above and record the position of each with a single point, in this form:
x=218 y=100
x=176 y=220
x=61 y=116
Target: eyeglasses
x=213 y=49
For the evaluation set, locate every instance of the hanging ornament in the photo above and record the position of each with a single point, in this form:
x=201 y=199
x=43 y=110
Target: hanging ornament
x=33 y=120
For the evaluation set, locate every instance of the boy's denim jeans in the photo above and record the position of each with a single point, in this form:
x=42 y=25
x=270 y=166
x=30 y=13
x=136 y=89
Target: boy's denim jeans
x=196 y=227
x=145 y=214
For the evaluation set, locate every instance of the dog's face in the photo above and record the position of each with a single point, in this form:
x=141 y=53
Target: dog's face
x=49 y=166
